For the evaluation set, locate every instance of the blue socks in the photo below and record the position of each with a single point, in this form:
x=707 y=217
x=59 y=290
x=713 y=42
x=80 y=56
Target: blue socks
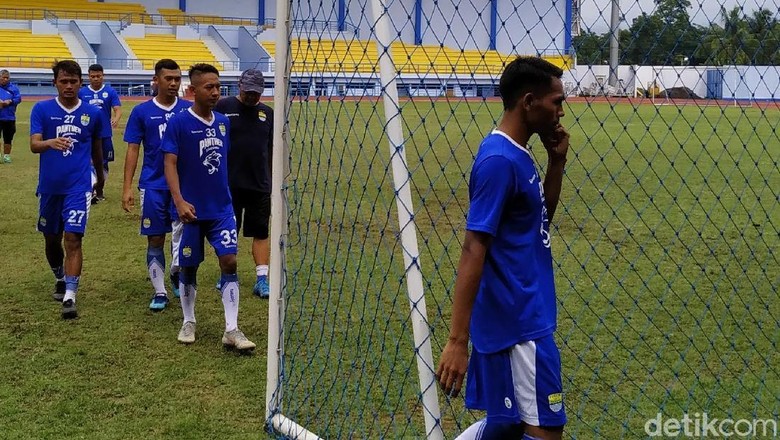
x=71 y=287
x=59 y=273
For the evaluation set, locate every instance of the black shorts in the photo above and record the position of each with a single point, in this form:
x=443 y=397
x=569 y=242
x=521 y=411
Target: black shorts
x=8 y=129
x=253 y=210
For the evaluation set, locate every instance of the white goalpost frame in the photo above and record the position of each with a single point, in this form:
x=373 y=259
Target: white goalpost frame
x=406 y=223
x=278 y=233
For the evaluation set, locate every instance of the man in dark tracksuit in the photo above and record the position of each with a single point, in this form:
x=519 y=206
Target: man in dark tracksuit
x=249 y=167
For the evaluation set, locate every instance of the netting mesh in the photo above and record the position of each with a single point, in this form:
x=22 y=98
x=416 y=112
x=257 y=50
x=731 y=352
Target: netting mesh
x=665 y=242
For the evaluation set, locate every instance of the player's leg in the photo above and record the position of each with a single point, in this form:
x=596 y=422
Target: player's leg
x=257 y=215
x=75 y=214
x=223 y=237
x=108 y=156
x=155 y=223
x=237 y=197
x=490 y=387
x=536 y=367
x=190 y=257
x=50 y=224
x=482 y=430
x=176 y=229
x=9 y=129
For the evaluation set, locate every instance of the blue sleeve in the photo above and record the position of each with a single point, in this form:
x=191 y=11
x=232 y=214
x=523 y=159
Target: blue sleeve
x=490 y=187
x=134 y=131
x=36 y=120
x=115 y=102
x=17 y=95
x=170 y=141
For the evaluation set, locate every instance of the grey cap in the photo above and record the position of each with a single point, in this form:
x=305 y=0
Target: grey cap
x=251 y=81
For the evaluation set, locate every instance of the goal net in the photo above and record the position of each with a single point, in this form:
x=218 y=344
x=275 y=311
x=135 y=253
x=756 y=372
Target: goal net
x=665 y=242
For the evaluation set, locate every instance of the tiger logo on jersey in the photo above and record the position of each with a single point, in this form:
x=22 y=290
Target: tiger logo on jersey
x=212 y=161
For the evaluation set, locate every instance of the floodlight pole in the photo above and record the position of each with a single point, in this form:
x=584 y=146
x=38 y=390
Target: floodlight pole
x=614 y=42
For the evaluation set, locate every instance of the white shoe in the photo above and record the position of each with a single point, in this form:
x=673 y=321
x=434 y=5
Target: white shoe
x=187 y=333
x=237 y=340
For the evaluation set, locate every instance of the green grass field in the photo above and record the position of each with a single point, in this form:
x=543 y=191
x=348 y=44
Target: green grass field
x=665 y=245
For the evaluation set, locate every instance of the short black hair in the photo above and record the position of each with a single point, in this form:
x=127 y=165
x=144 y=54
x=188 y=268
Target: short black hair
x=201 y=68
x=165 y=63
x=67 y=66
x=523 y=75
x=95 y=68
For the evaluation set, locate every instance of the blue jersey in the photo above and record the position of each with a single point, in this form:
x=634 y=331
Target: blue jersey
x=69 y=171
x=516 y=298
x=146 y=126
x=202 y=147
x=105 y=99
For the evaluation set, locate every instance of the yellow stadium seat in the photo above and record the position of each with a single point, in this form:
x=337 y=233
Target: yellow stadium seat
x=76 y=9
x=22 y=48
x=361 y=56
x=153 y=47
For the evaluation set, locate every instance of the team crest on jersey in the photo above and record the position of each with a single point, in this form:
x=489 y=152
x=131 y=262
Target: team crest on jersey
x=85 y=119
x=105 y=94
x=147 y=222
x=261 y=115
x=222 y=129
x=187 y=251
x=555 y=401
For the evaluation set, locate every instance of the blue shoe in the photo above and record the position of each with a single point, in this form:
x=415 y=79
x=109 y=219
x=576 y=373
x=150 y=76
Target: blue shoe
x=174 y=277
x=158 y=303
x=261 y=288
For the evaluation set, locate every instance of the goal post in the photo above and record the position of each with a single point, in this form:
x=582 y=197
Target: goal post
x=274 y=413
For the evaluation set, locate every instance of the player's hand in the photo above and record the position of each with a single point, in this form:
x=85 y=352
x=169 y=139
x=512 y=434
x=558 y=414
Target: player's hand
x=128 y=200
x=452 y=367
x=186 y=212
x=556 y=144
x=114 y=122
x=101 y=182
x=60 y=143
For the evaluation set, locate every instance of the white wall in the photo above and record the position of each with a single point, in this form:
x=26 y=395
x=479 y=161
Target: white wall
x=531 y=27
x=224 y=8
x=459 y=24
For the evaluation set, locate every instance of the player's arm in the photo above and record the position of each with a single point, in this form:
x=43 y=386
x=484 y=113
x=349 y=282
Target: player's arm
x=38 y=145
x=557 y=146
x=454 y=357
x=16 y=97
x=131 y=163
x=97 y=161
x=116 y=107
x=271 y=143
x=117 y=110
x=186 y=210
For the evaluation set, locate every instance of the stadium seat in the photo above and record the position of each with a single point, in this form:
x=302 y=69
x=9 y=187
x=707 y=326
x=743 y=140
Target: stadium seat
x=361 y=56
x=153 y=47
x=176 y=17
x=76 y=9
x=22 y=48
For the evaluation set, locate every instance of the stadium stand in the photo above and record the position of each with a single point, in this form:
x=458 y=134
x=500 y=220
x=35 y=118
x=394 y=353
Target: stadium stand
x=22 y=48
x=176 y=17
x=152 y=47
x=75 y=9
x=359 y=56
